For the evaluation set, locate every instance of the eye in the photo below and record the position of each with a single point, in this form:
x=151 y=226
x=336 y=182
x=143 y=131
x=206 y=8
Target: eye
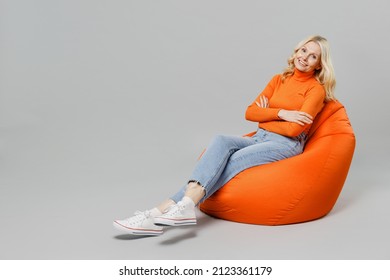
x=315 y=57
x=303 y=50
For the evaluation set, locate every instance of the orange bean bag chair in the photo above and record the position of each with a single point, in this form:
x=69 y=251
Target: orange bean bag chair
x=293 y=190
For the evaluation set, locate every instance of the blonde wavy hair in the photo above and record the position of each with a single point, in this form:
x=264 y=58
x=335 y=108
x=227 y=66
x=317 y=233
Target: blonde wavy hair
x=325 y=75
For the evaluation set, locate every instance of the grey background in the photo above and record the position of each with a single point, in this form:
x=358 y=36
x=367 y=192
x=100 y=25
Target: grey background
x=105 y=106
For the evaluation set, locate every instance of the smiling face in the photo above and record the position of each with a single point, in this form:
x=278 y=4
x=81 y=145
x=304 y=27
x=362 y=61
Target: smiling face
x=308 y=57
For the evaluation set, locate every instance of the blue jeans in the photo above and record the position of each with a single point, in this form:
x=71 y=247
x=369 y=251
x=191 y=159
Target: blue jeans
x=226 y=156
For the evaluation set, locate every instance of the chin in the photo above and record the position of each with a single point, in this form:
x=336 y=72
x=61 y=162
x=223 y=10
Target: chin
x=300 y=68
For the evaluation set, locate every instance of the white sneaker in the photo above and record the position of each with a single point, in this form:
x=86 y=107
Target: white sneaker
x=142 y=223
x=180 y=214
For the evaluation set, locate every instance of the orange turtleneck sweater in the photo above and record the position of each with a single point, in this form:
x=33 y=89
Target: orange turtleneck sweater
x=299 y=92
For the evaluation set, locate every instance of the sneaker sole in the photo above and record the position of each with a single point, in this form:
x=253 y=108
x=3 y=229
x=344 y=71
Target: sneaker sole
x=137 y=231
x=174 y=222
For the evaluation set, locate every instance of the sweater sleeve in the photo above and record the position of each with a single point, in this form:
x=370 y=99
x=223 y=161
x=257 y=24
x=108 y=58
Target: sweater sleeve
x=313 y=104
x=257 y=114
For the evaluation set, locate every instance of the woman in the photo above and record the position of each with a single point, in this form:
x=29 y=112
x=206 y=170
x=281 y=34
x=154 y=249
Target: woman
x=284 y=112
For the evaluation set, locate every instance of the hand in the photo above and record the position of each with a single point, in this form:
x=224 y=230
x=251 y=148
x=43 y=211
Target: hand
x=298 y=117
x=263 y=102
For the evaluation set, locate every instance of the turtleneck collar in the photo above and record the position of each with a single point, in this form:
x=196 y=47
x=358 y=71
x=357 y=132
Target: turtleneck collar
x=302 y=76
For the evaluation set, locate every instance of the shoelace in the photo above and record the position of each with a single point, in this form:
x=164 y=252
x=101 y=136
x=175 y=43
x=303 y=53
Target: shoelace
x=175 y=208
x=139 y=216
x=180 y=205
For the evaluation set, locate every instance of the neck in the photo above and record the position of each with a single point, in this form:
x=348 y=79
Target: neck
x=302 y=76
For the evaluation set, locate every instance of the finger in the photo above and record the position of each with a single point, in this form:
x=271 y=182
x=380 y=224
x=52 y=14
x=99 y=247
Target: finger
x=307 y=115
x=265 y=102
x=257 y=103
x=299 y=122
x=306 y=120
x=262 y=101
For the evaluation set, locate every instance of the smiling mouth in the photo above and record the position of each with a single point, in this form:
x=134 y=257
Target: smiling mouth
x=302 y=63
